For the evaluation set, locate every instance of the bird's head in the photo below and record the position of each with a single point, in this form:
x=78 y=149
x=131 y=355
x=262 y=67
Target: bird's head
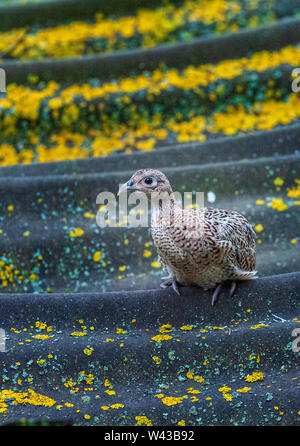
x=147 y=181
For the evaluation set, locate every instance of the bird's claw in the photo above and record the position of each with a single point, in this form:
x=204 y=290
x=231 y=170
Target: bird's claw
x=216 y=294
x=217 y=291
x=171 y=282
x=232 y=288
x=175 y=287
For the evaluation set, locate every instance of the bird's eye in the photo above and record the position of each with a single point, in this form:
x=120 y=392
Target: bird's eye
x=148 y=180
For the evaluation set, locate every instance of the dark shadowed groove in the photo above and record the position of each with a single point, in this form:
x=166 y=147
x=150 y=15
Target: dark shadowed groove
x=28 y=307
x=109 y=180
x=121 y=63
x=56 y=11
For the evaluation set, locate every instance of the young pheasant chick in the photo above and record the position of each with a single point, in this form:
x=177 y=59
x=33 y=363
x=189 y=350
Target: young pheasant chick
x=203 y=246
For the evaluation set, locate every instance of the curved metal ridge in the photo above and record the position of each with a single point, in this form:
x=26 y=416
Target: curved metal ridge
x=119 y=356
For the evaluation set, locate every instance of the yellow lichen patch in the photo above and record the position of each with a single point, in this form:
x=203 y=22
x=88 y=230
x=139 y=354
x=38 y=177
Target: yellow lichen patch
x=155 y=264
x=278 y=204
x=97 y=256
x=224 y=390
x=107 y=383
x=105 y=407
x=113 y=406
x=193 y=391
x=70 y=385
x=255 y=376
x=259 y=227
x=40 y=325
x=77 y=232
x=88 y=378
x=173 y=400
x=186 y=328
x=29 y=397
x=160 y=338
x=69 y=404
x=89 y=215
x=117 y=406
x=78 y=333
x=43 y=336
x=143 y=421
x=166 y=328
x=156 y=359
x=110 y=392
x=197 y=378
x=88 y=351
x=278 y=181
x=254 y=327
x=243 y=390
x=294 y=192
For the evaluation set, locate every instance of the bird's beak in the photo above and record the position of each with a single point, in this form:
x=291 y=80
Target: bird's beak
x=126 y=186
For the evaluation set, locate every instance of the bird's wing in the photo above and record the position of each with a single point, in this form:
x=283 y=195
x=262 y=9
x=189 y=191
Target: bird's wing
x=209 y=235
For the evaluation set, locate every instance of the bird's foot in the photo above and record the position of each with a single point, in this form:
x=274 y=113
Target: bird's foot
x=232 y=288
x=216 y=293
x=170 y=281
x=218 y=289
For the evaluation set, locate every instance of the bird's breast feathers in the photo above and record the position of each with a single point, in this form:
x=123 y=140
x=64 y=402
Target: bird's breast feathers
x=205 y=246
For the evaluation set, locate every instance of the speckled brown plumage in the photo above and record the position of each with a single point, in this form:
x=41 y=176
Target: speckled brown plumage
x=203 y=246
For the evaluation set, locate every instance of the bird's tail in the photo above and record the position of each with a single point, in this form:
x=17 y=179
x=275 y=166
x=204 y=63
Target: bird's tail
x=239 y=274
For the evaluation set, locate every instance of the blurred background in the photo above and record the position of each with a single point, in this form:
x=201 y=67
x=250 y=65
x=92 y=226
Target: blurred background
x=198 y=88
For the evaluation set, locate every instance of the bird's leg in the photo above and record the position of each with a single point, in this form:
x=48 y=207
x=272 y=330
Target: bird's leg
x=166 y=283
x=176 y=287
x=170 y=281
x=216 y=294
x=232 y=288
